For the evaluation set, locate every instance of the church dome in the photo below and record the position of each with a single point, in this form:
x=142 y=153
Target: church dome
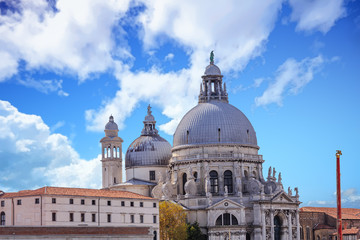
x=111 y=125
x=212 y=69
x=215 y=122
x=149 y=149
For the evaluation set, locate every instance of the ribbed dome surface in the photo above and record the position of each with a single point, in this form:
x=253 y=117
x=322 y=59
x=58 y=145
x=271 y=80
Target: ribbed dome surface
x=111 y=125
x=212 y=69
x=148 y=150
x=214 y=122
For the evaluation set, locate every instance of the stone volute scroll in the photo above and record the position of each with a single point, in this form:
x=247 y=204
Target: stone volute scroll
x=190 y=187
x=167 y=187
x=157 y=190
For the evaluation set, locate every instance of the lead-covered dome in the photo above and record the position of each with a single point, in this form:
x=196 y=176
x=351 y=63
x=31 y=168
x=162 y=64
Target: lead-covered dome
x=214 y=122
x=149 y=149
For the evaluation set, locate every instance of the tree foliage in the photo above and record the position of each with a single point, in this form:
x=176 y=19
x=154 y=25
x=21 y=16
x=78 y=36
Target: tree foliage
x=172 y=221
x=194 y=232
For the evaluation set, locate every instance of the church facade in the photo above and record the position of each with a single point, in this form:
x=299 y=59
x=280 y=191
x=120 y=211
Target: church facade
x=213 y=170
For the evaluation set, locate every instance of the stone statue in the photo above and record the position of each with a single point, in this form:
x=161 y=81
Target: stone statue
x=207 y=184
x=279 y=178
x=212 y=57
x=274 y=172
x=239 y=186
x=296 y=191
x=226 y=193
x=269 y=172
x=289 y=191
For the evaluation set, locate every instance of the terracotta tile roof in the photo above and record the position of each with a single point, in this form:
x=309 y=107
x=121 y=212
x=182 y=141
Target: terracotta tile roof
x=346 y=213
x=86 y=192
x=348 y=231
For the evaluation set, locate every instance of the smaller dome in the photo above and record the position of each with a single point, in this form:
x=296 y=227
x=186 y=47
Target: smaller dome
x=111 y=125
x=212 y=69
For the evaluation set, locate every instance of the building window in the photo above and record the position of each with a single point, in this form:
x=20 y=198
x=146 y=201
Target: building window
x=2 y=219
x=141 y=204
x=141 y=218
x=301 y=233
x=123 y=203
x=82 y=201
x=37 y=200
x=53 y=217
x=71 y=217
x=71 y=201
x=307 y=233
x=155 y=235
x=226 y=219
x=277 y=228
x=152 y=175
x=184 y=179
x=109 y=217
x=83 y=217
x=131 y=204
x=228 y=180
x=214 y=182
x=93 y=217
x=109 y=203
x=53 y=200
x=93 y=202
x=154 y=219
x=132 y=218
x=3 y=203
x=18 y=202
x=195 y=176
x=154 y=204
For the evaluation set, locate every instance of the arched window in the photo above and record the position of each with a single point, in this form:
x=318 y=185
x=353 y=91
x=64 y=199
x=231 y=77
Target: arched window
x=184 y=179
x=307 y=233
x=301 y=233
x=155 y=235
x=246 y=175
x=214 y=182
x=2 y=219
x=228 y=180
x=226 y=219
x=114 y=152
x=277 y=228
x=248 y=236
x=195 y=176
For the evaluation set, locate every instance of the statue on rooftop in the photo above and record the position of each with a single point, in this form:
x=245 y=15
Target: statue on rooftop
x=212 y=57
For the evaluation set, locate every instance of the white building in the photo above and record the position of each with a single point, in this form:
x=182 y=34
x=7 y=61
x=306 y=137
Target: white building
x=214 y=170
x=70 y=207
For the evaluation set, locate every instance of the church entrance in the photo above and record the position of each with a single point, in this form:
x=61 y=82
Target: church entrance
x=277 y=228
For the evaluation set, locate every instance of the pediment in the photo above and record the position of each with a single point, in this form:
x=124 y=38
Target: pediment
x=281 y=197
x=225 y=204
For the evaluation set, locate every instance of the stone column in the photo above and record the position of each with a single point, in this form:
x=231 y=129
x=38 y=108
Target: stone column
x=272 y=223
x=297 y=225
x=242 y=234
x=289 y=226
x=263 y=223
x=221 y=180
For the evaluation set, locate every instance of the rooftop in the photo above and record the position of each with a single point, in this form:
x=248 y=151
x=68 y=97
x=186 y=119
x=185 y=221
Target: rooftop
x=84 y=192
x=347 y=213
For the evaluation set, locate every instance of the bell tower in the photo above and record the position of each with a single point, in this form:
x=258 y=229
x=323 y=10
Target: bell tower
x=111 y=148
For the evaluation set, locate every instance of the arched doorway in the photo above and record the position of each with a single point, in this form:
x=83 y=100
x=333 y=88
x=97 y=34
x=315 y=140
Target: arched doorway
x=277 y=228
x=2 y=219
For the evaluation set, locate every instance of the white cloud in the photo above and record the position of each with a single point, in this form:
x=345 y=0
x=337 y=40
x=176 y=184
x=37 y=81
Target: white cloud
x=318 y=15
x=236 y=30
x=45 y=86
x=169 y=57
x=73 y=38
x=350 y=196
x=39 y=157
x=291 y=77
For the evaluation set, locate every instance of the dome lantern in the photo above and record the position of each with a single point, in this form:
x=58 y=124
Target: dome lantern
x=211 y=87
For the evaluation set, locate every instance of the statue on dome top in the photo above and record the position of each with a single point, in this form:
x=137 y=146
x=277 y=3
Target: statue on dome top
x=212 y=57
x=149 y=110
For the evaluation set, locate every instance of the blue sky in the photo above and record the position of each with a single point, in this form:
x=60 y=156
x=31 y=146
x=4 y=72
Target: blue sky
x=291 y=66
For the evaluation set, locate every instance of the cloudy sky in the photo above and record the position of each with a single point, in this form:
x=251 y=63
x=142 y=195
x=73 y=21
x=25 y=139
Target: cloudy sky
x=291 y=66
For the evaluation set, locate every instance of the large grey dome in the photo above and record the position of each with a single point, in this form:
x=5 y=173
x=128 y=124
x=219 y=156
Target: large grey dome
x=212 y=69
x=212 y=123
x=148 y=150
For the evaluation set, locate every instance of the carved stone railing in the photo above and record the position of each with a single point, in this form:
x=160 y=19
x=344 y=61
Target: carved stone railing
x=220 y=156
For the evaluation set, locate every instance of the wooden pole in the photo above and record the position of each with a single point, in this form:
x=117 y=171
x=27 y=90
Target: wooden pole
x=338 y=191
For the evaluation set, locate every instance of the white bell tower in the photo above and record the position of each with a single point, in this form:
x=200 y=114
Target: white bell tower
x=111 y=147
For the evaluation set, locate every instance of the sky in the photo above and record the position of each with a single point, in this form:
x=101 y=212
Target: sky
x=291 y=66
